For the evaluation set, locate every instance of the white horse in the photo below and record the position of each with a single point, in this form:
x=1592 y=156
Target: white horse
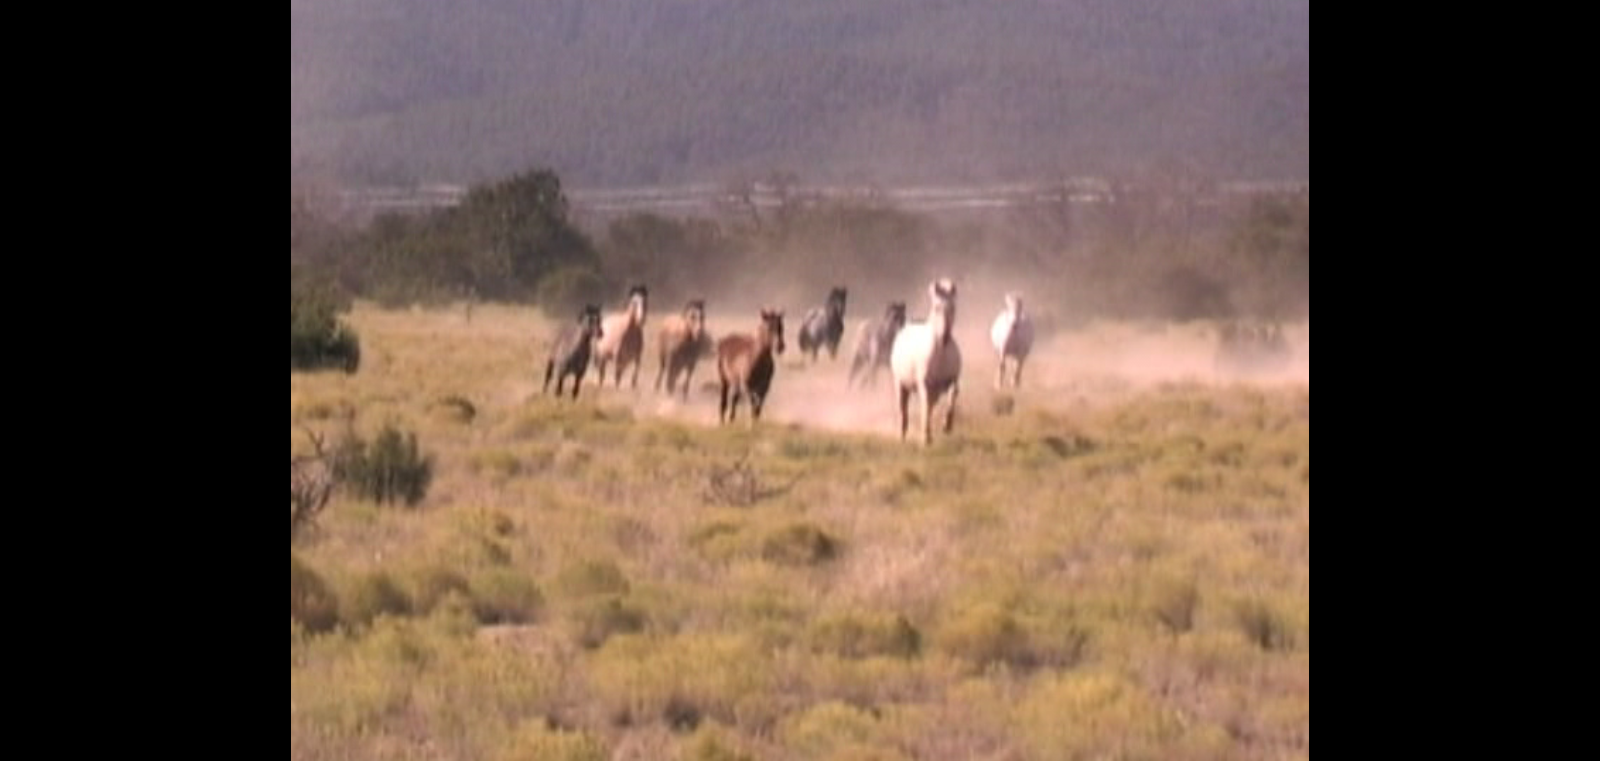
x=1012 y=335
x=927 y=361
x=623 y=338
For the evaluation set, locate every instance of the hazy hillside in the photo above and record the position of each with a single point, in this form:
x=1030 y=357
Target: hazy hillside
x=641 y=92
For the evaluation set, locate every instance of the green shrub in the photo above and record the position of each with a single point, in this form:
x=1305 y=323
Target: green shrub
x=505 y=597
x=375 y=594
x=317 y=337
x=597 y=620
x=569 y=288
x=389 y=469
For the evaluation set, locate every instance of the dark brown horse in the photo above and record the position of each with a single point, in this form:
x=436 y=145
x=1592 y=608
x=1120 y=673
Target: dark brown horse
x=572 y=349
x=745 y=366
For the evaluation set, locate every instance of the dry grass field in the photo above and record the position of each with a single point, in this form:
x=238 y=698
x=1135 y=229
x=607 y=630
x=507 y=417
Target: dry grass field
x=1111 y=563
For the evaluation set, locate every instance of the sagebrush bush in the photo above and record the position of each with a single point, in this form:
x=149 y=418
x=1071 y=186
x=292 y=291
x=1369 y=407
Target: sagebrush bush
x=800 y=544
x=310 y=601
x=317 y=337
x=1173 y=604
x=1268 y=628
x=432 y=584
x=536 y=741
x=710 y=744
x=455 y=408
x=866 y=635
x=391 y=468
x=592 y=577
x=505 y=597
x=595 y=621
x=374 y=594
x=825 y=729
x=985 y=635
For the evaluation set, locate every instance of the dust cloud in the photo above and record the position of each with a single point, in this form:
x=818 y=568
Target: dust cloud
x=1096 y=363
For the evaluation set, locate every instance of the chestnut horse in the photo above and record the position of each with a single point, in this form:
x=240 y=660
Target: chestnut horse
x=745 y=366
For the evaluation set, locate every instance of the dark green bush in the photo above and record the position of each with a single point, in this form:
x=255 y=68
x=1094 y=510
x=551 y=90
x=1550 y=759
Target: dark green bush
x=318 y=339
x=391 y=468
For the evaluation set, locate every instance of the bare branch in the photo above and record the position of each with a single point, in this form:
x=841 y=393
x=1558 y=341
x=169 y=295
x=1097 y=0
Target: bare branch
x=311 y=483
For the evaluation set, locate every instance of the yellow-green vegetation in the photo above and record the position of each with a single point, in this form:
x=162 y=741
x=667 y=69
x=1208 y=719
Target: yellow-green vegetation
x=1084 y=576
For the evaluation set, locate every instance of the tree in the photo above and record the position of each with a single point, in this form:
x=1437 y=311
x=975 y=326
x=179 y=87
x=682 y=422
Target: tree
x=516 y=232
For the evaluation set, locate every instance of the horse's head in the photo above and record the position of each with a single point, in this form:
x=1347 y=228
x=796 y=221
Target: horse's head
x=1014 y=302
x=895 y=314
x=590 y=321
x=836 y=300
x=942 y=292
x=638 y=300
x=772 y=329
x=694 y=313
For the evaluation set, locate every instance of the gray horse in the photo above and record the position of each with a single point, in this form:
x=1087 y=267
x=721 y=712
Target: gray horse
x=824 y=326
x=572 y=348
x=874 y=339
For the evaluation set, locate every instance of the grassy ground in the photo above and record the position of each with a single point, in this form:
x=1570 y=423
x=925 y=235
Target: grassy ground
x=1119 y=567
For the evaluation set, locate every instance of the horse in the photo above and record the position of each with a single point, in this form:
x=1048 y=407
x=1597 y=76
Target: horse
x=824 y=326
x=874 y=339
x=1012 y=335
x=682 y=338
x=623 y=338
x=1250 y=347
x=572 y=348
x=745 y=366
x=926 y=360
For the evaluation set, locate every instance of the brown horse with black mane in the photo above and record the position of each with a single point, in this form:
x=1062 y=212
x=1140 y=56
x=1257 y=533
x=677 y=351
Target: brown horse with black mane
x=745 y=366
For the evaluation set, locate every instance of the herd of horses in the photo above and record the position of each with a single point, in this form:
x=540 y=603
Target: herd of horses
x=923 y=357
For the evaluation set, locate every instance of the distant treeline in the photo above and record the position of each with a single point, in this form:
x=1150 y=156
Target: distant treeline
x=1173 y=251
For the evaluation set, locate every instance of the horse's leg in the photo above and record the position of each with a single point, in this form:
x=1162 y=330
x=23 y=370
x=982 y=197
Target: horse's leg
x=549 y=370
x=733 y=408
x=1000 y=373
x=688 y=376
x=600 y=371
x=637 y=363
x=722 y=408
x=904 y=395
x=926 y=398
x=950 y=414
x=661 y=373
x=577 y=380
x=1016 y=377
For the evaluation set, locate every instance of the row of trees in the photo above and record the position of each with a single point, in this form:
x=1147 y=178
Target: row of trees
x=1175 y=252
